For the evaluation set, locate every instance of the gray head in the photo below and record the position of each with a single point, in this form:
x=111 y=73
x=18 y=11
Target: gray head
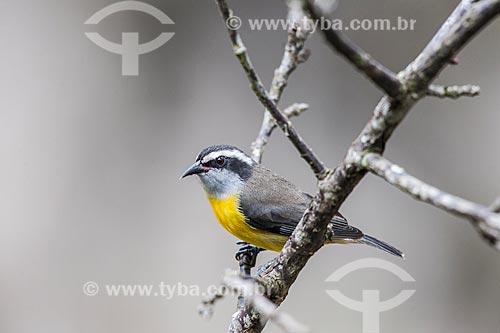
x=222 y=169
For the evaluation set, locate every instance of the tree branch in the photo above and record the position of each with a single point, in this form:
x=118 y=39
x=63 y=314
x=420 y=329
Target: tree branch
x=334 y=186
x=453 y=91
x=383 y=77
x=294 y=54
x=254 y=295
x=466 y=20
x=481 y=216
x=258 y=88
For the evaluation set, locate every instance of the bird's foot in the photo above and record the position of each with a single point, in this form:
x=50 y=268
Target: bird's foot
x=247 y=256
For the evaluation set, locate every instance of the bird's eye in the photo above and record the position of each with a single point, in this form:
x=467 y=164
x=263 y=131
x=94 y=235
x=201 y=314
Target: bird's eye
x=220 y=161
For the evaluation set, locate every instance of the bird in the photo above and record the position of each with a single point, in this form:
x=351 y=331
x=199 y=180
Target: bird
x=260 y=207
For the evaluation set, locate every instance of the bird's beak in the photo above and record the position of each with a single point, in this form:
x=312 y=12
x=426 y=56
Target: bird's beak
x=193 y=170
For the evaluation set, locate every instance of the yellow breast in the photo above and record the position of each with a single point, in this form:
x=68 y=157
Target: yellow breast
x=231 y=218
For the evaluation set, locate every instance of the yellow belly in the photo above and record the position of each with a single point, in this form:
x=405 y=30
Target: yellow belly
x=229 y=216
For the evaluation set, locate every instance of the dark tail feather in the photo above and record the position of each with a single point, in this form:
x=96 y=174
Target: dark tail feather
x=372 y=241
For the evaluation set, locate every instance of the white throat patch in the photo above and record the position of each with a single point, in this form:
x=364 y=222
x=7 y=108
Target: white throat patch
x=221 y=184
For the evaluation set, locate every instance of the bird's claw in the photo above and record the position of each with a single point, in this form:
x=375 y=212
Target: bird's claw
x=247 y=254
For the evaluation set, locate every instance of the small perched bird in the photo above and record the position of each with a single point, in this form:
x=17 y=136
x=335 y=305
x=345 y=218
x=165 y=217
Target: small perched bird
x=260 y=207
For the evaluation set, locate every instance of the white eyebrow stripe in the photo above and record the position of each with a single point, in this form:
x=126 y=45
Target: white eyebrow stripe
x=228 y=153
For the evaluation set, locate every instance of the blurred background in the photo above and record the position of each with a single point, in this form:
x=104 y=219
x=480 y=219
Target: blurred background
x=91 y=159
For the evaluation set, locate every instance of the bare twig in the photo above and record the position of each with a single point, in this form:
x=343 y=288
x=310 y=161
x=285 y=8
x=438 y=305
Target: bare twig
x=253 y=294
x=258 y=88
x=453 y=91
x=383 y=77
x=268 y=126
x=397 y=176
x=294 y=54
x=206 y=308
x=296 y=109
x=495 y=206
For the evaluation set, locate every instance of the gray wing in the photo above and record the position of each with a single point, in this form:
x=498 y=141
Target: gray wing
x=272 y=203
